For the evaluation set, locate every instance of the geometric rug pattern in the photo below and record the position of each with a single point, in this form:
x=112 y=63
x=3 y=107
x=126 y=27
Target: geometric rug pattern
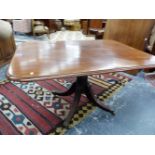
x=30 y=108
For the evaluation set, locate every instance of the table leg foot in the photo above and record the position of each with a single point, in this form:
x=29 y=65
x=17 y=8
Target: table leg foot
x=91 y=98
x=74 y=107
x=70 y=91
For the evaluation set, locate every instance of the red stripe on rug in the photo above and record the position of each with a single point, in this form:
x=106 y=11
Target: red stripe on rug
x=106 y=77
x=6 y=128
x=50 y=87
x=56 y=86
x=35 y=105
x=62 y=88
x=95 y=88
x=117 y=76
x=37 y=120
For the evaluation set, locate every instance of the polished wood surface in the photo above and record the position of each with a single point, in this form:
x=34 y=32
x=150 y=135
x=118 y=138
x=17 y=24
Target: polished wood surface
x=128 y=31
x=44 y=60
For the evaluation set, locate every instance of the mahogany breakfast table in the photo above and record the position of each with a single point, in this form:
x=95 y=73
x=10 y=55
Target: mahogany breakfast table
x=39 y=60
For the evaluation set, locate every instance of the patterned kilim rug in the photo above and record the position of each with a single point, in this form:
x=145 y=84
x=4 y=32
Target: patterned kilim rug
x=30 y=108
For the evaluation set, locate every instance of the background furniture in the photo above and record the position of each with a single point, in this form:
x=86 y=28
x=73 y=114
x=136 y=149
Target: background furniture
x=84 y=26
x=128 y=31
x=72 y=24
x=53 y=24
x=38 y=27
x=76 y=26
x=22 y=25
x=7 y=44
x=150 y=41
x=93 y=26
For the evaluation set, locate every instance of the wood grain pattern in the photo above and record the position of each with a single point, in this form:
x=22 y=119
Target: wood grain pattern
x=44 y=60
x=129 y=31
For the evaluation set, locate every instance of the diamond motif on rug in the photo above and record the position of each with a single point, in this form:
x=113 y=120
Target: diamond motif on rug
x=31 y=108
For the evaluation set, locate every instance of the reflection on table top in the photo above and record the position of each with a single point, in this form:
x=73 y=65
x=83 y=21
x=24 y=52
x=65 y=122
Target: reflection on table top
x=44 y=59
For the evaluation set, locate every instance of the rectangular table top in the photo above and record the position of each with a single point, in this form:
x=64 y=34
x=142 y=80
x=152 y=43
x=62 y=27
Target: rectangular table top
x=38 y=60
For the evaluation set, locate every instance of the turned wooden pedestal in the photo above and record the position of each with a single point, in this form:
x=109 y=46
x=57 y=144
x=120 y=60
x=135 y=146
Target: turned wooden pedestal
x=81 y=86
